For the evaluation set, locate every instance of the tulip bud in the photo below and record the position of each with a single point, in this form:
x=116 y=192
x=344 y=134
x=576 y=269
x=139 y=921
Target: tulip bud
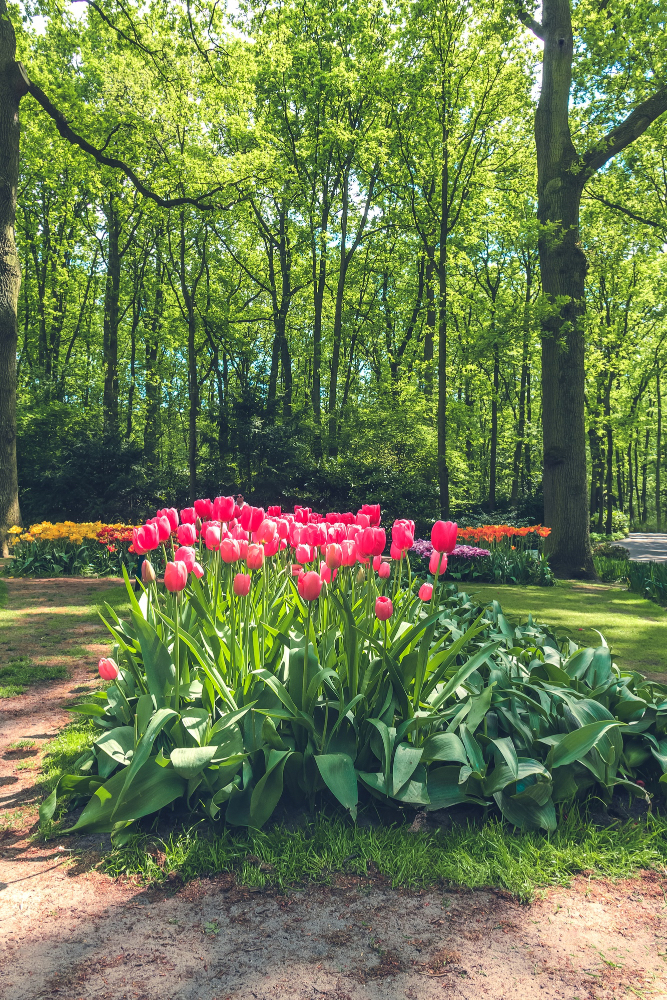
x=383 y=608
x=108 y=668
x=147 y=572
x=437 y=564
x=384 y=571
x=426 y=592
x=360 y=577
x=241 y=585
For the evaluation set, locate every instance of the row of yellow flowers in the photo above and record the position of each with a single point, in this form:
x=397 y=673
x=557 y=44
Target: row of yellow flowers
x=70 y=531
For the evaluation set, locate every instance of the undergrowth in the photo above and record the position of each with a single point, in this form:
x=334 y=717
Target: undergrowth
x=490 y=855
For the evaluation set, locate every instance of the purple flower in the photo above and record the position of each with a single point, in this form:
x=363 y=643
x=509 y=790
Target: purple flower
x=423 y=548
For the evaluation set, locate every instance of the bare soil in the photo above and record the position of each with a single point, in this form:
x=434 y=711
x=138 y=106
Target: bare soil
x=69 y=931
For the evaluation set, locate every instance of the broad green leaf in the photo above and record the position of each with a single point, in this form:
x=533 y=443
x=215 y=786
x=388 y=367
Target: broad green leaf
x=444 y=746
x=189 y=761
x=338 y=774
x=576 y=744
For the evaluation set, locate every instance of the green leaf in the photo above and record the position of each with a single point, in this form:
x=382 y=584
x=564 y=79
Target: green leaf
x=153 y=788
x=189 y=761
x=145 y=745
x=269 y=788
x=118 y=744
x=406 y=760
x=338 y=774
x=576 y=744
x=462 y=674
x=444 y=746
x=444 y=789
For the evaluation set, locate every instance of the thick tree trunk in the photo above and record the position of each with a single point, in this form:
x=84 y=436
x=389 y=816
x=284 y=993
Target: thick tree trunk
x=563 y=271
x=631 y=486
x=152 y=374
x=11 y=91
x=443 y=469
x=493 y=451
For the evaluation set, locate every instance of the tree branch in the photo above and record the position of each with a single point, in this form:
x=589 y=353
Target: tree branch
x=625 y=211
x=624 y=134
x=530 y=22
x=202 y=202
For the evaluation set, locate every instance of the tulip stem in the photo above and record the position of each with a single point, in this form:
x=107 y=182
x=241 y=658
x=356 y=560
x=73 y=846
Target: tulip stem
x=232 y=607
x=176 y=654
x=304 y=685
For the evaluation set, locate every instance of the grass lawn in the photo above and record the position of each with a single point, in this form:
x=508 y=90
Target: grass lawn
x=634 y=628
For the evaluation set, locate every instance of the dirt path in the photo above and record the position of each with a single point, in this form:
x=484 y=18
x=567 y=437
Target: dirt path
x=645 y=546
x=82 y=936
x=68 y=931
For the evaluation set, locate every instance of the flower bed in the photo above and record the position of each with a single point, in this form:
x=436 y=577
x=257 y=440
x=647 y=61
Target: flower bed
x=514 y=555
x=68 y=548
x=283 y=657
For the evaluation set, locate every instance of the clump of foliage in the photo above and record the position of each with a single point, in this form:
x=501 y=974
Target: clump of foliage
x=648 y=579
x=237 y=690
x=71 y=548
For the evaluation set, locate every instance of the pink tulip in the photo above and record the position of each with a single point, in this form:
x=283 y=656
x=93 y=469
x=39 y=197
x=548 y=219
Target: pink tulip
x=297 y=570
x=274 y=511
x=403 y=534
x=443 y=536
x=349 y=552
x=384 y=609
x=188 y=515
x=363 y=520
x=146 y=538
x=212 y=537
x=223 y=508
x=283 y=527
x=377 y=562
x=256 y=518
x=384 y=571
x=187 y=555
x=163 y=527
x=198 y=570
x=310 y=586
x=426 y=592
x=204 y=509
x=437 y=564
x=334 y=556
x=147 y=573
x=230 y=550
x=175 y=576
x=270 y=548
x=373 y=541
x=172 y=516
x=245 y=516
x=241 y=585
x=255 y=556
x=238 y=532
x=108 y=669
x=303 y=554
x=267 y=531
x=325 y=573
x=243 y=548
x=395 y=552
x=372 y=511
x=187 y=534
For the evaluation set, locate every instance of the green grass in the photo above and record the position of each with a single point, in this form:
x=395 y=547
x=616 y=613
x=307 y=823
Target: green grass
x=63 y=751
x=17 y=675
x=634 y=628
x=492 y=855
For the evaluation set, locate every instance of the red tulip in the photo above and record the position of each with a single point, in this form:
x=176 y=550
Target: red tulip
x=384 y=609
x=172 y=516
x=241 y=585
x=310 y=586
x=175 y=576
x=229 y=550
x=204 y=509
x=223 y=508
x=426 y=592
x=363 y=520
x=243 y=548
x=267 y=531
x=146 y=538
x=384 y=571
x=255 y=556
x=373 y=541
x=107 y=668
x=283 y=527
x=147 y=572
x=244 y=516
x=325 y=573
x=187 y=555
x=437 y=564
x=395 y=552
x=198 y=570
x=274 y=511
x=372 y=512
x=443 y=536
x=187 y=534
x=403 y=534
x=349 y=552
x=188 y=515
x=256 y=518
x=212 y=537
x=238 y=533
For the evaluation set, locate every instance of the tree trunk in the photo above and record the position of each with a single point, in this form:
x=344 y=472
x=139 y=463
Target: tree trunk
x=152 y=374
x=11 y=92
x=609 y=457
x=429 y=333
x=517 y=478
x=111 y=320
x=443 y=470
x=644 y=475
x=493 y=451
x=563 y=271
x=631 y=486
x=658 y=454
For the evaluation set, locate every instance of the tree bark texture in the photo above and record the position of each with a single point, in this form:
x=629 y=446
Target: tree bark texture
x=11 y=91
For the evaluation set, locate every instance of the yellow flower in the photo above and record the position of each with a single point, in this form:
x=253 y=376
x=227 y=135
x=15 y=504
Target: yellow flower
x=15 y=530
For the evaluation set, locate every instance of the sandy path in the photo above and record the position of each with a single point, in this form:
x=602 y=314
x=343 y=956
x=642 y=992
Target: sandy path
x=646 y=547
x=83 y=936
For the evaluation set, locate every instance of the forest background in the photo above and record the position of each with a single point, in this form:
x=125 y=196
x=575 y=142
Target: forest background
x=279 y=335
